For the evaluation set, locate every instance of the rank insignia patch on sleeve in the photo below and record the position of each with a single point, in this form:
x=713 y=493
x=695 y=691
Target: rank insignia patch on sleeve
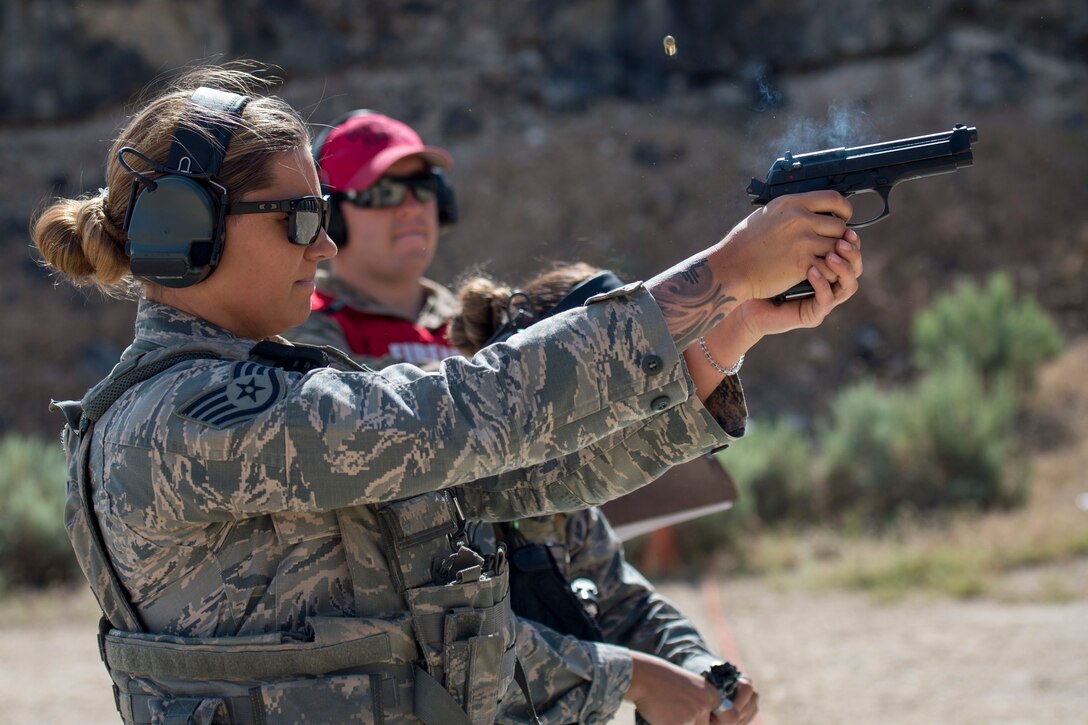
x=252 y=390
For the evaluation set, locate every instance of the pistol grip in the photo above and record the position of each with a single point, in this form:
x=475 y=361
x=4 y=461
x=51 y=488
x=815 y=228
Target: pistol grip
x=800 y=291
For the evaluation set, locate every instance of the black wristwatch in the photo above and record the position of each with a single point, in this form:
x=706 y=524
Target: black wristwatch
x=726 y=679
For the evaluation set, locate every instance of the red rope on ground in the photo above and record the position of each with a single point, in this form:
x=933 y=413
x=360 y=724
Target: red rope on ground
x=712 y=605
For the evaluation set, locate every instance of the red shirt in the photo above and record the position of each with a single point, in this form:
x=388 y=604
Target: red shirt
x=379 y=336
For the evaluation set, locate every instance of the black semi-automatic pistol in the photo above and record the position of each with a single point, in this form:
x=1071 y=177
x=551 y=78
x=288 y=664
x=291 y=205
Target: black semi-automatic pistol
x=864 y=169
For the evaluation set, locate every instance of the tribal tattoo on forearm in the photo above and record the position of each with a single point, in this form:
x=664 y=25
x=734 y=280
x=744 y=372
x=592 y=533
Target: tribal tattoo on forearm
x=692 y=301
x=726 y=404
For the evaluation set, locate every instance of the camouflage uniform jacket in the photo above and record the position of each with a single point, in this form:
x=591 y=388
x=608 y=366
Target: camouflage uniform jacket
x=235 y=498
x=631 y=614
x=570 y=679
x=376 y=335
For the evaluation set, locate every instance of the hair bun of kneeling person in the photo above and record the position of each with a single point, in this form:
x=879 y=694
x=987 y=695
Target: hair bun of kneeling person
x=485 y=302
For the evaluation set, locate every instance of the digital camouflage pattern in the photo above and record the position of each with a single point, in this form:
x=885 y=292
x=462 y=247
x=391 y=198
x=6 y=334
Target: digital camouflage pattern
x=631 y=614
x=571 y=680
x=587 y=688
x=631 y=611
x=236 y=500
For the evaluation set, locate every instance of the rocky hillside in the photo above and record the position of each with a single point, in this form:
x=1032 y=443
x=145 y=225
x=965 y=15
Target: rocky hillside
x=575 y=136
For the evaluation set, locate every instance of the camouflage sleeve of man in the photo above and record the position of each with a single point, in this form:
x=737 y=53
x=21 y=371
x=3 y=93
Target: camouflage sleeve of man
x=631 y=612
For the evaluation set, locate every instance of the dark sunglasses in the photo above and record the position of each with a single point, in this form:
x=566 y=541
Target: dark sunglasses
x=389 y=191
x=306 y=216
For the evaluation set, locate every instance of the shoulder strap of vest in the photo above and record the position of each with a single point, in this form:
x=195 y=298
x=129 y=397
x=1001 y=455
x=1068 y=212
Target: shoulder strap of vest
x=80 y=519
x=82 y=523
x=96 y=407
x=89 y=546
x=81 y=416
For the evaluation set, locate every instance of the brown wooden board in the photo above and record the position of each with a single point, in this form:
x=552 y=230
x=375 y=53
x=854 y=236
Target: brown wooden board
x=685 y=492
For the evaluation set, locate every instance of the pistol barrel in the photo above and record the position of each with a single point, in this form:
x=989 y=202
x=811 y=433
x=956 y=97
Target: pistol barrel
x=863 y=168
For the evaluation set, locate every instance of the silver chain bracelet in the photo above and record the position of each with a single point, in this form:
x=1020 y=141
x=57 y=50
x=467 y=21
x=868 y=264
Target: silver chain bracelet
x=714 y=363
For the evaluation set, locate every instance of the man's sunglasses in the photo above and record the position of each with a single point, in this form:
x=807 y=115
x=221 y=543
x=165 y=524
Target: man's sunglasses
x=306 y=216
x=389 y=191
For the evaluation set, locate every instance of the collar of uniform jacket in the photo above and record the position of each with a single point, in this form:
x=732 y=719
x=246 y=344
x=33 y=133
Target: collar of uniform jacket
x=161 y=326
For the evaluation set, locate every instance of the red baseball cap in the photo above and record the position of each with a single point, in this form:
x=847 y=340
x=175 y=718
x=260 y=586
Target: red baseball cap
x=356 y=153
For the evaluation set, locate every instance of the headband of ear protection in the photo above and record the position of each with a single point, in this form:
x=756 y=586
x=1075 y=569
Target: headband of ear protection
x=525 y=313
x=445 y=199
x=175 y=221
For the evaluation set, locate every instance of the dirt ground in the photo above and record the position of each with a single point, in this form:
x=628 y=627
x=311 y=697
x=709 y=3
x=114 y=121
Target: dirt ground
x=841 y=658
x=816 y=657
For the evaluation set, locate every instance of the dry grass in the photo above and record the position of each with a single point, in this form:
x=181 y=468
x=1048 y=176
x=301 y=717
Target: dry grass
x=1012 y=555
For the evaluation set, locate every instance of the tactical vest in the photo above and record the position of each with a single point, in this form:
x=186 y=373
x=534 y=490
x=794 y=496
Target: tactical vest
x=448 y=659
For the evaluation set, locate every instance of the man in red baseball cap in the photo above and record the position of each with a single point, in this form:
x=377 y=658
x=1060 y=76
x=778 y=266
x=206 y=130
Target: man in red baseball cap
x=390 y=199
x=358 y=151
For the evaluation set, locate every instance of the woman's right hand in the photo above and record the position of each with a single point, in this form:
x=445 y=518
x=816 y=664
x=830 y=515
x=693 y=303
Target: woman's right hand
x=764 y=255
x=776 y=244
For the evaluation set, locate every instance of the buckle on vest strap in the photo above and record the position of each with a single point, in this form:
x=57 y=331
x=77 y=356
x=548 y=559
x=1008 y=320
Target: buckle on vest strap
x=464 y=565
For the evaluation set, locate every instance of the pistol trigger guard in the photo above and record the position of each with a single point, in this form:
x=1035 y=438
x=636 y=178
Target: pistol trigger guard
x=885 y=193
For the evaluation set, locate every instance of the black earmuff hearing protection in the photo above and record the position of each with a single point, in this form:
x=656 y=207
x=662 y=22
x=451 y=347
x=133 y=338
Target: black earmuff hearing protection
x=175 y=221
x=445 y=199
x=447 y=202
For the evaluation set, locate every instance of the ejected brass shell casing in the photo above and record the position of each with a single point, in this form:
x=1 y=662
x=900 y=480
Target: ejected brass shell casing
x=670 y=45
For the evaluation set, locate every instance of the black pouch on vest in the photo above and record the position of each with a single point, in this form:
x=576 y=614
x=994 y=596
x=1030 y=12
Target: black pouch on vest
x=540 y=592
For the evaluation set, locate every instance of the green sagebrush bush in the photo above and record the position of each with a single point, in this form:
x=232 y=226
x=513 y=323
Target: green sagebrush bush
x=772 y=467
x=989 y=327
x=948 y=440
x=34 y=548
